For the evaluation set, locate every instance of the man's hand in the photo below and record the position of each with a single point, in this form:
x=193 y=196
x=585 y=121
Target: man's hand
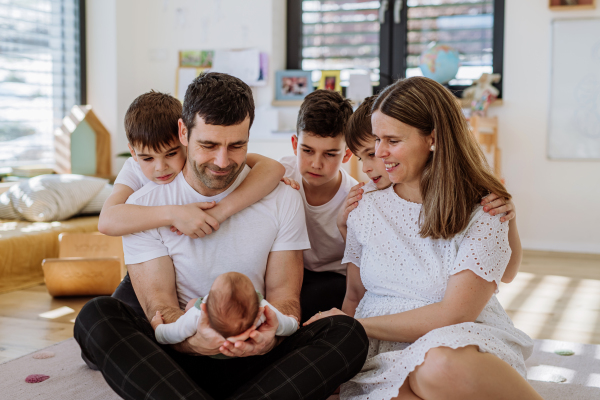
x=494 y=205
x=351 y=203
x=324 y=314
x=260 y=341
x=191 y=220
x=206 y=341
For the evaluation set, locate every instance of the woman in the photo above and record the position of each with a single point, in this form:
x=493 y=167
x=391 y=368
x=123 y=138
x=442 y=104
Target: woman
x=425 y=261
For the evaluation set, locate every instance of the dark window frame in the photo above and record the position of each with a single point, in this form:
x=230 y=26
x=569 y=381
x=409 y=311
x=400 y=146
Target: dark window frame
x=392 y=63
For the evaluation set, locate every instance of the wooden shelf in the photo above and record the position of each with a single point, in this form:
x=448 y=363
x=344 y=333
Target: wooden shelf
x=467 y=104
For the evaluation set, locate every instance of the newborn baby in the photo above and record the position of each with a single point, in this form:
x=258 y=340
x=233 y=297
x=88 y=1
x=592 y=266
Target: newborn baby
x=232 y=306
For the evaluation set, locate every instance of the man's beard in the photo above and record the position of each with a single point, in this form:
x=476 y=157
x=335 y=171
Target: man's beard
x=215 y=182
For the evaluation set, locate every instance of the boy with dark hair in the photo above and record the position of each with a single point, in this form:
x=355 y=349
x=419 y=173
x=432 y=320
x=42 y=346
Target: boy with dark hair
x=157 y=155
x=320 y=150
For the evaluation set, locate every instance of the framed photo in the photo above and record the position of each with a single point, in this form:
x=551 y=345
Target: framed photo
x=189 y=58
x=292 y=84
x=330 y=80
x=567 y=5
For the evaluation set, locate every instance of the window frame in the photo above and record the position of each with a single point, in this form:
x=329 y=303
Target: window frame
x=393 y=37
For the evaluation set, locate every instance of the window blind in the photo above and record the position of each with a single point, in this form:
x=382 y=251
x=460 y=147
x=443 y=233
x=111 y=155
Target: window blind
x=340 y=35
x=39 y=76
x=466 y=25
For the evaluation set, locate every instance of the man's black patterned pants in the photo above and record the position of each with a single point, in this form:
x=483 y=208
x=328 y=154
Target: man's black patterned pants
x=310 y=364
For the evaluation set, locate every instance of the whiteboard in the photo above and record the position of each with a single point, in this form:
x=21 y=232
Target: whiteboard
x=574 y=115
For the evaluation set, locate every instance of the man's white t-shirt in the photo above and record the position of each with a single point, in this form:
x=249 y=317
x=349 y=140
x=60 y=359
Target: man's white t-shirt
x=131 y=175
x=327 y=244
x=242 y=243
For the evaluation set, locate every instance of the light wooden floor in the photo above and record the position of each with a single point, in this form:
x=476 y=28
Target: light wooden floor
x=555 y=296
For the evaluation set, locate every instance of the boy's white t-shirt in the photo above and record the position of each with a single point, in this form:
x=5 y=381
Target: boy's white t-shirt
x=242 y=243
x=327 y=244
x=131 y=175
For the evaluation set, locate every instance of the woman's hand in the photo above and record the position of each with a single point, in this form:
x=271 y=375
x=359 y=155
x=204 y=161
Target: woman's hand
x=324 y=314
x=494 y=205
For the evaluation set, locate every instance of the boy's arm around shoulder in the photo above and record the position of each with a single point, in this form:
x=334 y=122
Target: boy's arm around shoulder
x=119 y=219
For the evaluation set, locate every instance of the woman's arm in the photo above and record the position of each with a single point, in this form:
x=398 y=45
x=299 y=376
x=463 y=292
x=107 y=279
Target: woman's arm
x=466 y=296
x=354 y=290
x=517 y=252
x=262 y=180
x=494 y=205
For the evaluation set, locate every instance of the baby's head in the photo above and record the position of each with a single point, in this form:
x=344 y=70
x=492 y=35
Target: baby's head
x=232 y=305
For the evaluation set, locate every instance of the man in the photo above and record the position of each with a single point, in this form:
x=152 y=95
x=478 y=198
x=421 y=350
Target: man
x=264 y=242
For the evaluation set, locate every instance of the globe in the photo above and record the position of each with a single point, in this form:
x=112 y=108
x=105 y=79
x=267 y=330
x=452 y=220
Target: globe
x=440 y=63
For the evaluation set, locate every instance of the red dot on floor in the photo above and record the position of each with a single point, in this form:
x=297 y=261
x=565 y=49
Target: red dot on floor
x=36 y=378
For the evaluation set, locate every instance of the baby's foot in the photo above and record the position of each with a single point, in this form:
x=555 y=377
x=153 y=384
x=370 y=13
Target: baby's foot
x=156 y=320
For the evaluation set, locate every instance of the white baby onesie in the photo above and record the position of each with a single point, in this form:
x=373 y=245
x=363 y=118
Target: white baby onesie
x=187 y=324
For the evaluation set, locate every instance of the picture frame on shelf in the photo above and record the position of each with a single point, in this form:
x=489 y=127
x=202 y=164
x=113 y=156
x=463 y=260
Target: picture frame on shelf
x=571 y=5
x=292 y=85
x=330 y=80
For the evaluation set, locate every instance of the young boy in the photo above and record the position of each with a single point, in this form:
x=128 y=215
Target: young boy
x=151 y=126
x=361 y=141
x=320 y=150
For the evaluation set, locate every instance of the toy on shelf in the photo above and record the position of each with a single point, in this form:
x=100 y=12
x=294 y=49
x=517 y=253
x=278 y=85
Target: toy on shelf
x=82 y=144
x=482 y=94
x=88 y=264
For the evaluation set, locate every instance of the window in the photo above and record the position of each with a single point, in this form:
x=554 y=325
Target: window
x=40 y=75
x=388 y=36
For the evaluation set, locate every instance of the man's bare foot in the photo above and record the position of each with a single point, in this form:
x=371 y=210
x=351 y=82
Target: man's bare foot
x=156 y=320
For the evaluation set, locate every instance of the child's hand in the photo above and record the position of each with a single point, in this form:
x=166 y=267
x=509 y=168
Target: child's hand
x=192 y=221
x=351 y=203
x=290 y=182
x=494 y=205
x=156 y=320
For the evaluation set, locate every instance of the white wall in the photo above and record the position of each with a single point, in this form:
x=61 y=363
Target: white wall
x=133 y=47
x=558 y=202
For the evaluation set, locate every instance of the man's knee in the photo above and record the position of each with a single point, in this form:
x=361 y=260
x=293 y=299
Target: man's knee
x=93 y=312
x=351 y=340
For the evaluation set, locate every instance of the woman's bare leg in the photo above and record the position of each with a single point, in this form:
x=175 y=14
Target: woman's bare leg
x=465 y=374
x=406 y=393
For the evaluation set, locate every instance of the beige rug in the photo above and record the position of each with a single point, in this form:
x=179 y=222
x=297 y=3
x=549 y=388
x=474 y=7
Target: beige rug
x=71 y=379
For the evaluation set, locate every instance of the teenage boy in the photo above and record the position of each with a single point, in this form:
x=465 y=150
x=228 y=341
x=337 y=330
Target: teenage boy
x=361 y=141
x=157 y=155
x=320 y=150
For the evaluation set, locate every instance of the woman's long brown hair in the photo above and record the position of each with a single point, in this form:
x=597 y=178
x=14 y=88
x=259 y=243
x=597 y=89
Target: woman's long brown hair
x=457 y=174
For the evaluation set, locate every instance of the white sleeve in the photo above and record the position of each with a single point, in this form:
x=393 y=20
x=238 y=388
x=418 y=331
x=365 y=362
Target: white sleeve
x=143 y=246
x=292 y=233
x=287 y=325
x=356 y=223
x=131 y=175
x=179 y=330
x=484 y=249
